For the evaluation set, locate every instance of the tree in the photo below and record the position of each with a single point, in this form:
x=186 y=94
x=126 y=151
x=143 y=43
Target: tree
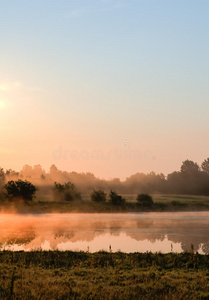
x=11 y=174
x=2 y=182
x=37 y=171
x=98 y=196
x=116 y=199
x=66 y=192
x=71 y=192
x=27 y=171
x=53 y=169
x=176 y=182
x=190 y=168
x=145 y=200
x=20 y=189
x=191 y=178
x=2 y=176
x=205 y=165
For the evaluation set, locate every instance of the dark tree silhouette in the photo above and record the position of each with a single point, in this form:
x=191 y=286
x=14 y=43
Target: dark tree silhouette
x=66 y=192
x=98 y=196
x=145 y=200
x=189 y=167
x=190 y=179
x=205 y=165
x=116 y=199
x=20 y=189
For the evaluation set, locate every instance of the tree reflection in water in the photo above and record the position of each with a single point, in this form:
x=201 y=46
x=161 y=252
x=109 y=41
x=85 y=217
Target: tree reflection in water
x=129 y=232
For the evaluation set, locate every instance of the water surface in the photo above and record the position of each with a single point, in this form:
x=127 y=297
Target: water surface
x=131 y=232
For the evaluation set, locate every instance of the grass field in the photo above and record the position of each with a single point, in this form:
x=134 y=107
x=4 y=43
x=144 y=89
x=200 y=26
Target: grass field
x=103 y=275
x=161 y=203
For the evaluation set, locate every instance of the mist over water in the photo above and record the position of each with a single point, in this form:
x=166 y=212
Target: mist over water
x=137 y=232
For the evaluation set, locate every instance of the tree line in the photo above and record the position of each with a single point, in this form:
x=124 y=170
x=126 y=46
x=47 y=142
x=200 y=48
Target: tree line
x=191 y=179
x=23 y=191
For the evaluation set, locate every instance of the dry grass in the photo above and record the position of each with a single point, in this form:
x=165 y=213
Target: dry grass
x=102 y=275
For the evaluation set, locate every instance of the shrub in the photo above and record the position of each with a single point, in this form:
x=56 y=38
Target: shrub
x=66 y=192
x=145 y=200
x=20 y=189
x=116 y=199
x=98 y=196
x=175 y=203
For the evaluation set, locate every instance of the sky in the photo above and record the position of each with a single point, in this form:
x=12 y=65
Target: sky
x=111 y=87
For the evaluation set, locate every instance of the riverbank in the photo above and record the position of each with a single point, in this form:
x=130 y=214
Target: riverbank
x=103 y=275
x=162 y=203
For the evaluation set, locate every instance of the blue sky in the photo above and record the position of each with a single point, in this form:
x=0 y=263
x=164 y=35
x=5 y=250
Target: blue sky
x=89 y=75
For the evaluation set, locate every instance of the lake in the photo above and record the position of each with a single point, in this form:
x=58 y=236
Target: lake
x=129 y=232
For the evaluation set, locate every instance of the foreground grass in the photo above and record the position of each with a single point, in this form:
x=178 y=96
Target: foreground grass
x=102 y=275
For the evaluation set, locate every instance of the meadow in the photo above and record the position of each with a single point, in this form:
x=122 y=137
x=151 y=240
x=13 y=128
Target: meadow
x=103 y=275
x=162 y=203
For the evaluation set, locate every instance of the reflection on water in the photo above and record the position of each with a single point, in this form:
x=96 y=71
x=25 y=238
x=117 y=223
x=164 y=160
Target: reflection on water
x=125 y=232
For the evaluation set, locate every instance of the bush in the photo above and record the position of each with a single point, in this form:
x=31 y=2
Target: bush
x=20 y=189
x=66 y=192
x=175 y=203
x=98 y=196
x=116 y=199
x=145 y=200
